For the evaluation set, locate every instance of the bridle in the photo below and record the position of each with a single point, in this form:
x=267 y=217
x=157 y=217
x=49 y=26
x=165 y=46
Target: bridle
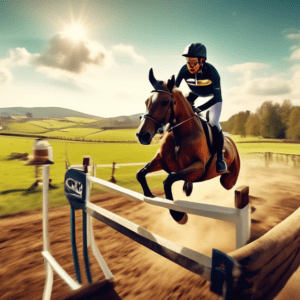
x=161 y=123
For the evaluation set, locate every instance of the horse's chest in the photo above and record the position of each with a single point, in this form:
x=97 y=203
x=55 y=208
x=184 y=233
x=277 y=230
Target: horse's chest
x=183 y=158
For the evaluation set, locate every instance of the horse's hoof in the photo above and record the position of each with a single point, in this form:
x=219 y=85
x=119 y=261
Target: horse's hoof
x=183 y=220
x=179 y=217
x=149 y=195
x=188 y=188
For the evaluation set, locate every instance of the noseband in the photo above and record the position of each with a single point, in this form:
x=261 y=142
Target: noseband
x=160 y=123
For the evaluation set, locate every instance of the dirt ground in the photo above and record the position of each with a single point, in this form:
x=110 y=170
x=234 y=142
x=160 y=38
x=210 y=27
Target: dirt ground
x=139 y=273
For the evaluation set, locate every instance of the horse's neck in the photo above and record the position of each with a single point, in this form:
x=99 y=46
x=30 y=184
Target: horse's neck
x=183 y=111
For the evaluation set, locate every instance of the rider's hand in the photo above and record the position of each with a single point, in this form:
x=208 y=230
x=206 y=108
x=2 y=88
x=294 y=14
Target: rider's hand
x=197 y=110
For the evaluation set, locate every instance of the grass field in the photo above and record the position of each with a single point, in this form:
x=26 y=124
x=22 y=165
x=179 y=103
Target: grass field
x=17 y=177
x=52 y=124
x=121 y=135
x=24 y=127
x=72 y=133
x=80 y=120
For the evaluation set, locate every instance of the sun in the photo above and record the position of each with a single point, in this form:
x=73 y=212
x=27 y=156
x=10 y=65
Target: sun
x=76 y=32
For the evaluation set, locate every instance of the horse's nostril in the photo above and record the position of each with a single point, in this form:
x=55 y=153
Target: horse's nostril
x=145 y=137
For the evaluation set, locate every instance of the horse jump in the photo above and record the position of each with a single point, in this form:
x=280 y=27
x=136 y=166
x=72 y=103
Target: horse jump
x=231 y=275
x=77 y=183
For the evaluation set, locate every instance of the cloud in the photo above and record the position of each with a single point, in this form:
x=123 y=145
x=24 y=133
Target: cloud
x=19 y=57
x=258 y=84
x=253 y=83
x=5 y=76
x=267 y=87
x=125 y=54
x=294 y=36
x=247 y=69
x=65 y=54
x=296 y=54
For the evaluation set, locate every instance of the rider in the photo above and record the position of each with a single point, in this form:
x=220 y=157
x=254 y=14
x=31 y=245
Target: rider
x=204 y=80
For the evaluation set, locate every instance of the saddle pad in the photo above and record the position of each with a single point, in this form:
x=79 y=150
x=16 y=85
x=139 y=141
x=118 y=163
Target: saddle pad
x=208 y=133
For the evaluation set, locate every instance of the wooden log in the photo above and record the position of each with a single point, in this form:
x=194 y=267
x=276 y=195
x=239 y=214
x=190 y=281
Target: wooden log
x=103 y=290
x=263 y=267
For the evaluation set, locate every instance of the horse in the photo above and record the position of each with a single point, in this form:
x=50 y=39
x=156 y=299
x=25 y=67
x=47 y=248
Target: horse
x=184 y=151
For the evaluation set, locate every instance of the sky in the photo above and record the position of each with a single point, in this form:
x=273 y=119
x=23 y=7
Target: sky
x=95 y=56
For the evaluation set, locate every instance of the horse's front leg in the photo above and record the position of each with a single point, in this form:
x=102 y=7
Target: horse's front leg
x=153 y=166
x=191 y=174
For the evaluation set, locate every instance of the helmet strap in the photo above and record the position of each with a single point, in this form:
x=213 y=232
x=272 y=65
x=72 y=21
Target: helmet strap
x=201 y=63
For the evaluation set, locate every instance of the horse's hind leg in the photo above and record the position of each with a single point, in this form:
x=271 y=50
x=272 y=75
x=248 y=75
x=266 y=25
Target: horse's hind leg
x=229 y=180
x=152 y=166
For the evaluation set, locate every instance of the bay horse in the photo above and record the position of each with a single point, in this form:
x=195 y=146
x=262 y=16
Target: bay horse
x=184 y=152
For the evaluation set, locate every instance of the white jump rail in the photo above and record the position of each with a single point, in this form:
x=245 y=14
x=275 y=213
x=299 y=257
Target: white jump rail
x=240 y=217
x=187 y=258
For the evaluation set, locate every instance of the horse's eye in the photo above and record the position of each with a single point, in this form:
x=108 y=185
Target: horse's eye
x=165 y=103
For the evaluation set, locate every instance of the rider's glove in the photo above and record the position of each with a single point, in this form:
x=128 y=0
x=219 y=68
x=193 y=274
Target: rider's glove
x=197 y=110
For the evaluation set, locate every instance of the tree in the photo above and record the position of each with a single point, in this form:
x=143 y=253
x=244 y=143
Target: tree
x=271 y=125
x=239 y=123
x=284 y=112
x=293 y=131
x=252 y=125
x=29 y=115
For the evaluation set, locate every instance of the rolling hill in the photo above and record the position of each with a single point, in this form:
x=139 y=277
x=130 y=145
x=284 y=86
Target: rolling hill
x=44 y=112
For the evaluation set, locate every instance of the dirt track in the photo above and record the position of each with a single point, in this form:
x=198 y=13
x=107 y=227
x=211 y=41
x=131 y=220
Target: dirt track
x=139 y=273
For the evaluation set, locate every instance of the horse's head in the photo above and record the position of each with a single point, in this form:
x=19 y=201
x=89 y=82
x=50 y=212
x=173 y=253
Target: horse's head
x=159 y=109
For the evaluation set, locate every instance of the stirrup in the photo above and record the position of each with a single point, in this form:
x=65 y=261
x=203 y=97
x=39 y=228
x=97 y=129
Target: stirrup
x=221 y=167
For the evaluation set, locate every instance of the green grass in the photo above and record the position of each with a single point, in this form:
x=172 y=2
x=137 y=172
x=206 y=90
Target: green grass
x=17 y=177
x=240 y=139
x=52 y=124
x=71 y=133
x=122 y=135
x=81 y=120
x=23 y=127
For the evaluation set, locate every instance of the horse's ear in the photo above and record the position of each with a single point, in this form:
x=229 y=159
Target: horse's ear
x=171 y=83
x=152 y=78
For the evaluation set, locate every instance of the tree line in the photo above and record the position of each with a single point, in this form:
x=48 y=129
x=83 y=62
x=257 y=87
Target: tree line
x=271 y=120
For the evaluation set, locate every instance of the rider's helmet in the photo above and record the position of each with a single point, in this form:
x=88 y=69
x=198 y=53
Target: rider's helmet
x=195 y=50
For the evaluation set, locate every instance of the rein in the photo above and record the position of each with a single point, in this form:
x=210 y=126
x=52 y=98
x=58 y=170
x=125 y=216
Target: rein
x=170 y=129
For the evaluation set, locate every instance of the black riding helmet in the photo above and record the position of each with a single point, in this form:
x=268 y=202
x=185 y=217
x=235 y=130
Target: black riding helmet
x=195 y=50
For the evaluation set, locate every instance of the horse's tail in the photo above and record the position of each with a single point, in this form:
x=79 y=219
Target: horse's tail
x=229 y=180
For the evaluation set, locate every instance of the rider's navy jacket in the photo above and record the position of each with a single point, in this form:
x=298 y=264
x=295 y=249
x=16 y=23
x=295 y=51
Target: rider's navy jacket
x=213 y=88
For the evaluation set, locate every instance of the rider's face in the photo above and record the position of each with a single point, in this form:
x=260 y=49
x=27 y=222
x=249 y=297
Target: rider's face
x=193 y=64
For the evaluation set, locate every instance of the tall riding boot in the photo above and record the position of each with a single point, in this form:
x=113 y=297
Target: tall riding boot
x=221 y=166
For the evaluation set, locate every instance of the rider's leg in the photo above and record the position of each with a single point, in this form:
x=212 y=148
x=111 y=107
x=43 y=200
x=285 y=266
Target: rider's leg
x=214 y=116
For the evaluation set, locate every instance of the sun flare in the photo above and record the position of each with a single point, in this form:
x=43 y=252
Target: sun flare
x=75 y=32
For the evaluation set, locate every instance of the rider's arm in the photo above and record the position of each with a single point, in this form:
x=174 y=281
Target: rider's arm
x=180 y=76
x=191 y=97
x=216 y=87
